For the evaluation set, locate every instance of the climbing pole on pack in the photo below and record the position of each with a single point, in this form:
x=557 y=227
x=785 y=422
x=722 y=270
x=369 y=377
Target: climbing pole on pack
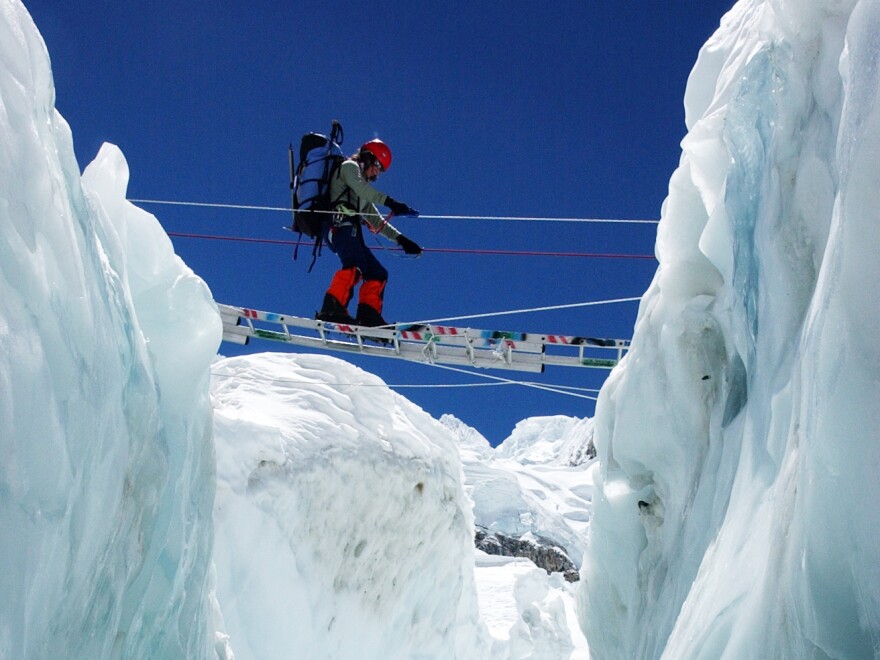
x=293 y=182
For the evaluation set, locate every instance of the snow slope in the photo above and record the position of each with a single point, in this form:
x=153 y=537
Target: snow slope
x=734 y=511
x=106 y=337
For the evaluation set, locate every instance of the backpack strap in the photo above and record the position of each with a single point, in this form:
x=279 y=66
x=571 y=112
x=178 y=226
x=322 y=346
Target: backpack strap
x=316 y=250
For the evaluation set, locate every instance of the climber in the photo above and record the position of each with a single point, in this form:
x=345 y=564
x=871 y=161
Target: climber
x=354 y=204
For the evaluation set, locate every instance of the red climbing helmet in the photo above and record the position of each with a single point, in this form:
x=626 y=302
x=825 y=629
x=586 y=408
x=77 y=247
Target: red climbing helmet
x=380 y=150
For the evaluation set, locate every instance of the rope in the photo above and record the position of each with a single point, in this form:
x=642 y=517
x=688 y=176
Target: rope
x=540 y=253
x=524 y=311
x=503 y=382
x=212 y=206
x=538 y=219
x=507 y=381
x=425 y=216
x=507 y=253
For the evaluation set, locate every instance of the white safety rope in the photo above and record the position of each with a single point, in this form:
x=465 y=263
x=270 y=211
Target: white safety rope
x=560 y=389
x=537 y=219
x=519 y=311
x=547 y=388
x=211 y=206
x=517 y=218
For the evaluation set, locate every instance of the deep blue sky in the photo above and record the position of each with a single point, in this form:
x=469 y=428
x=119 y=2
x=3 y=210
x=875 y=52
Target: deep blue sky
x=567 y=108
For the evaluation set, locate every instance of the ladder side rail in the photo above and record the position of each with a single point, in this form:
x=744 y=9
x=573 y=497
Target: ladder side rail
x=445 y=334
x=576 y=361
x=412 y=352
x=238 y=331
x=482 y=348
x=474 y=338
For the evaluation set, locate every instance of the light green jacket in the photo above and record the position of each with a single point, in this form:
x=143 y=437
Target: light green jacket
x=353 y=195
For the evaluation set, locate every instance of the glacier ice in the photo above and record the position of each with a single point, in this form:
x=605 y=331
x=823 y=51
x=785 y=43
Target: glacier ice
x=733 y=514
x=106 y=338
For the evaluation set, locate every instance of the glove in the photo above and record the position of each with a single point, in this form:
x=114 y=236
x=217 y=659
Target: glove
x=408 y=246
x=399 y=208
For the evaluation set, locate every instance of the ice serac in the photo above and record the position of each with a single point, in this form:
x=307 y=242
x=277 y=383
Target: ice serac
x=734 y=510
x=106 y=338
x=342 y=526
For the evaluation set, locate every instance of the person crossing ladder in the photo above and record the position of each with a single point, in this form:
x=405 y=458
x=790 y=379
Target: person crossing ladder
x=355 y=201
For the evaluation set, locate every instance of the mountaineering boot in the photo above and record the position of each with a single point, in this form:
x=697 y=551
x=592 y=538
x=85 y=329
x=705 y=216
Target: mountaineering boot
x=332 y=311
x=368 y=316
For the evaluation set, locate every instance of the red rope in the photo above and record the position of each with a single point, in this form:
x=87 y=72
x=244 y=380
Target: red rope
x=507 y=253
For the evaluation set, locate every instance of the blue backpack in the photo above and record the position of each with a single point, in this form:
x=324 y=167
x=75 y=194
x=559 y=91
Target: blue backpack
x=319 y=158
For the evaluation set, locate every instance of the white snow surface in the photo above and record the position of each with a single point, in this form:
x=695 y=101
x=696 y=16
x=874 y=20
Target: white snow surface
x=745 y=417
x=532 y=612
x=106 y=340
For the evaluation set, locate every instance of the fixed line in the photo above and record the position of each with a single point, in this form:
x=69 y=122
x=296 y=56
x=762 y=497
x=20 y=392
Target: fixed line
x=510 y=218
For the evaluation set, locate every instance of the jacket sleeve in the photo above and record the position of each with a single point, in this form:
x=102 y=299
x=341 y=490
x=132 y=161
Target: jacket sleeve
x=368 y=197
x=378 y=225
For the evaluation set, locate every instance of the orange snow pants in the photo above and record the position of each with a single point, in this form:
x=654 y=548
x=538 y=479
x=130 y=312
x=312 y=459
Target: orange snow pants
x=347 y=241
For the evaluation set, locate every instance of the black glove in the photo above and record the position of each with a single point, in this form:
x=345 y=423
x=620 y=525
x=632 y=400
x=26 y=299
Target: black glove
x=408 y=246
x=399 y=208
